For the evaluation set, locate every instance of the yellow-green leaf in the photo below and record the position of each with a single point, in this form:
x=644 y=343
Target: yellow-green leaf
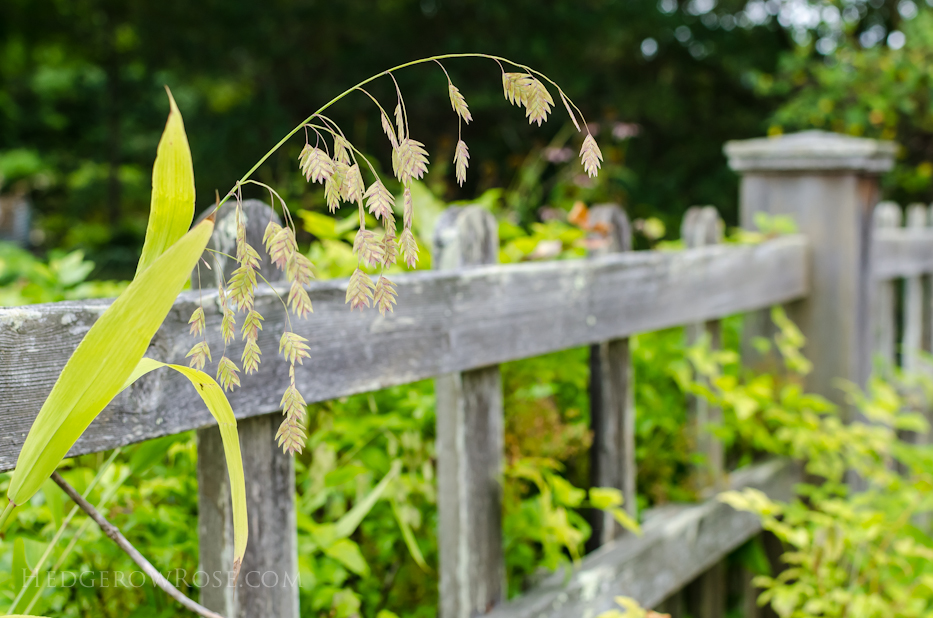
x=172 y=204
x=104 y=359
x=348 y=553
x=22 y=570
x=220 y=409
x=605 y=497
x=54 y=499
x=409 y=537
x=625 y=520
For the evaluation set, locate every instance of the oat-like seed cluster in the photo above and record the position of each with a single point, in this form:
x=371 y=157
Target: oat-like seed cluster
x=332 y=161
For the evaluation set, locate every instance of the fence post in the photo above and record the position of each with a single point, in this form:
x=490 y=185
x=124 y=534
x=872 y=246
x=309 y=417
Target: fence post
x=828 y=184
x=268 y=582
x=612 y=401
x=469 y=444
x=706 y=596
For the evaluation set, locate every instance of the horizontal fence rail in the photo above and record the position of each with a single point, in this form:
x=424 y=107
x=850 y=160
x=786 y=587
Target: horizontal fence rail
x=458 y=324
x=445 y=322
x=901 y=252
x=678 y=543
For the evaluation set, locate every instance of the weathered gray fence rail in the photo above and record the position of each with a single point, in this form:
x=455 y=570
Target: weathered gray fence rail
x=446 y=321
x=457 y=324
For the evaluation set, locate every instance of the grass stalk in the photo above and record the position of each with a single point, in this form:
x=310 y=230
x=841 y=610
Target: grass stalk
x=5 y=515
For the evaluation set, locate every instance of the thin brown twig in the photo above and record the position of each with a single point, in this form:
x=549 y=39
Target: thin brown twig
x=117 y=537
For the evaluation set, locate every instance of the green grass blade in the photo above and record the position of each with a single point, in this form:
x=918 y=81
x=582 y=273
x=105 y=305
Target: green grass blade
x=347 y=524
x=25 y=586
x=409 y=537
x=219 y=407
x=172 y=203
x=104 y=359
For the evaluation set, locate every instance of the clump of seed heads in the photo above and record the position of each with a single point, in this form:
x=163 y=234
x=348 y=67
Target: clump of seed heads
x=332 y=161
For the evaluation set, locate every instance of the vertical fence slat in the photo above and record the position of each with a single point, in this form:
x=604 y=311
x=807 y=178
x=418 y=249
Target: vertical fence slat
x=914 y=313
x=612 y=402
x=884 y=295
x=706 y=596
x=268 y=584
x=702 y=227
x=926 y=331
x=470 y=445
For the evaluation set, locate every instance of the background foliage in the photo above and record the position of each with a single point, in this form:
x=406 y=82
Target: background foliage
x=666 y=82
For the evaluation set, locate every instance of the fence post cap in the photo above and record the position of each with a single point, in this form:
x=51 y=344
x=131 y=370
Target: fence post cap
x=812 y=151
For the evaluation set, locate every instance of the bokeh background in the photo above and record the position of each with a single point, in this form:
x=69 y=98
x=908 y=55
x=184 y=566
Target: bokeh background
x=82 y=101
x=663 y=84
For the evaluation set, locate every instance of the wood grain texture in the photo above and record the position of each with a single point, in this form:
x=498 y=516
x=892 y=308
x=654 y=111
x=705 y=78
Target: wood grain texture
x=833 y=210
x=706 y=595
x=470 y=444
x=678 y=543
x=703 y=226
x=268 y=583
x=445 y=322
x=612 y=398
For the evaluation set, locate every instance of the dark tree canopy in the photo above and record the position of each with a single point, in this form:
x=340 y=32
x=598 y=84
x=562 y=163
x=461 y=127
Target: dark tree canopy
x=81 y=99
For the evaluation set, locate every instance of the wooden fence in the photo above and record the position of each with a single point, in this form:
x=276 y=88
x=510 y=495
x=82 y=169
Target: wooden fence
x=457 y=323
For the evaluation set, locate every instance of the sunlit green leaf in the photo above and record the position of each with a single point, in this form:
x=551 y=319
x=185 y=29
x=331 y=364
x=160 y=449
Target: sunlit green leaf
x=216 y=401
x=103 y=361
x=172 y=202
x=348 y=554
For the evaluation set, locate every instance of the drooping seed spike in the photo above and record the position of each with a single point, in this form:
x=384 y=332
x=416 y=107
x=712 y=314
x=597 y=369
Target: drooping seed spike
x=388 y=129
x=409 y=247
x=315 y=164
x=591 y=156
x=359 y=290
x=200 y=354
x=379 y=201
x=409 y=160
x=384 y=296
x=538 y=101
x=400 y=121
x=573 y=116
x=461 y=161
x=459 y=103
x=408 y=208
x=197 y=322
x=293 y=347
x=227 y=374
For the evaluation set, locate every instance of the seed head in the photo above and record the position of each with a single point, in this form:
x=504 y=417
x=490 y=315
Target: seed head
x=461 y=161
x=315 y=164
x=379 y=201
x=385 y=294
x=459 y=103
x=591 y=156
x=359 y=290
x=409 y=247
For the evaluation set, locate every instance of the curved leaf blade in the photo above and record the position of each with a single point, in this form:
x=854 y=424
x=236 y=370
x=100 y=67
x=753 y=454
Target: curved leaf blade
x=220 y=409
x=172 y=204
x=104 y=359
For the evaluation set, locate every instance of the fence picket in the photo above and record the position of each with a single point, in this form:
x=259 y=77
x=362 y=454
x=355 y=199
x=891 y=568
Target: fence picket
x=912 y=339
x=612 y=403
x=268 y=582
x=884 y=295
x=705 y=597
x=470 y=445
